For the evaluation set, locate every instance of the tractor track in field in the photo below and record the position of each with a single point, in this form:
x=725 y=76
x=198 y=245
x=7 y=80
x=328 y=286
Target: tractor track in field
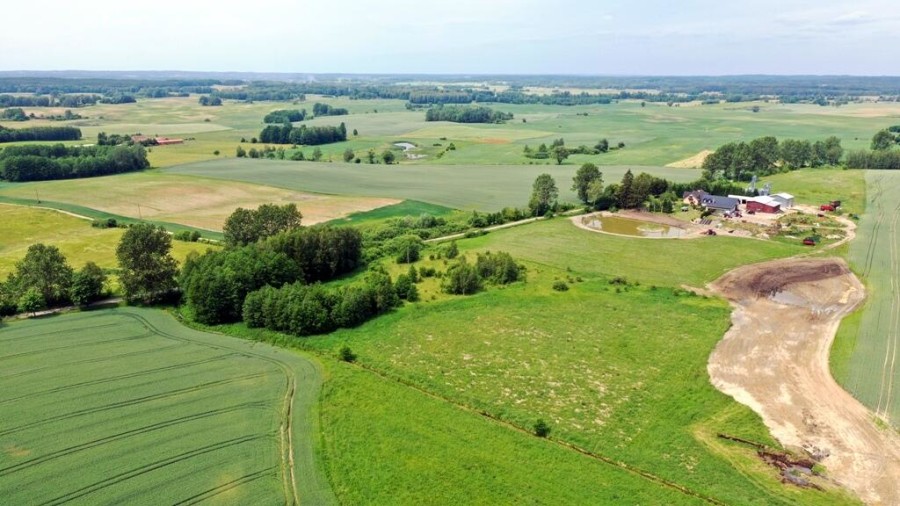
x=775 y=359
x=95 y=360
x=885 y=393
x=65 y=452
x=71 y=346
x=117 y=378
x=225 y=487
x=153 y=466
x=130 y=402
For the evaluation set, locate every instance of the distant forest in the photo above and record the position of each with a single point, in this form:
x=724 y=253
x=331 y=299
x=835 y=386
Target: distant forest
x=113 y=87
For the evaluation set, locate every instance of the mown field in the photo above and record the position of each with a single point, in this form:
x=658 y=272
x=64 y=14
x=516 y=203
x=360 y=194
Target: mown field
x=865 y=350
x=127 y=406
x=20 y=227
x=482 y=187
x=196 y=202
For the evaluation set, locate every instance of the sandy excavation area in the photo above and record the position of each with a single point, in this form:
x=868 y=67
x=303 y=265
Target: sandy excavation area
x=774 y=359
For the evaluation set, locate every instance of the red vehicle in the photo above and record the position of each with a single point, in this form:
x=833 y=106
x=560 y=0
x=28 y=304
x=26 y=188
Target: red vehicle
x=826 y=207
x=809 y=241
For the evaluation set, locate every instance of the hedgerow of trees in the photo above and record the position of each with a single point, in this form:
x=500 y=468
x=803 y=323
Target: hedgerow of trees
x=740 y=161
x=327 y=110
x=304 y=135
x=282 y=116
x=247 y=226
x=64 y=133
x=57 y=161
x=466 y=114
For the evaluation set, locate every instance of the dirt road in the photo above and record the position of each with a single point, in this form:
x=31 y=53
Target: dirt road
x=774 y=359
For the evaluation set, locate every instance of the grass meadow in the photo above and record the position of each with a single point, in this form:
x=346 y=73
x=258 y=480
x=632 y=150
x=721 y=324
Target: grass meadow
x=128 y=406
x=481 y=187
x=606 y=378
x=865 y=349
x=20 y=227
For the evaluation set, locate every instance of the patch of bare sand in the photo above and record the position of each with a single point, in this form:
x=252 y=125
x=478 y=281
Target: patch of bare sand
x=692 y=162
x=774 y=359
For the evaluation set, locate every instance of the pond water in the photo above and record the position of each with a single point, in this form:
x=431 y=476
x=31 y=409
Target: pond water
x=628 y=226
x=405 y=145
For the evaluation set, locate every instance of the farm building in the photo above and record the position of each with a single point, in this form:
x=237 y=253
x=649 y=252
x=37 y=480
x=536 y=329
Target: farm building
x=785 y=199
x=693 y=198
x=717 y=203
x=162 y=141
x=763 y=205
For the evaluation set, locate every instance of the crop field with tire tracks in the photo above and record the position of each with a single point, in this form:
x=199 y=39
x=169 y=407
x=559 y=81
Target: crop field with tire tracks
x=127 y=406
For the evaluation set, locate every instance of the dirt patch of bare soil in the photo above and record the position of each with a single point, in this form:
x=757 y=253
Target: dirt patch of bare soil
x=774 y=359
x=691 y=162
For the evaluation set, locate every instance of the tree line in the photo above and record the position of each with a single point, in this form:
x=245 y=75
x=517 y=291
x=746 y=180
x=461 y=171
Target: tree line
x=740 y=161
x=70 y=101
x=285 y=116
x=327 y=110
x=46 y=162
x=304 y=135
x=882 y=155
x=64 y=133
x=467 y=114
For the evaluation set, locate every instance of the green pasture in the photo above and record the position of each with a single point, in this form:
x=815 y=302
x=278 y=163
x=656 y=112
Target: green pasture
x=482 y=187
x=20 y=227
x=128 y=406
x=559 y=244
x=820 y=186
x=629 y=388
x=389 y=444
x=654 y=134
x=866 y=344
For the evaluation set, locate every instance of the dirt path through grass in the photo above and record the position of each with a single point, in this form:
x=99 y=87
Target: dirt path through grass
x=774 y=359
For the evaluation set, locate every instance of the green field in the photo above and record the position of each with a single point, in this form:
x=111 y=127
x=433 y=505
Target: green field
x=20 y=227
x=128 y=406
x=482 y=187
x=612 y=382
x=866 y=345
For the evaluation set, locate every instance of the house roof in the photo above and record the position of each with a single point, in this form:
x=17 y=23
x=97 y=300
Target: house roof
x=718 y=202
x=696 y=193
x=785 y=196
x=766 y=200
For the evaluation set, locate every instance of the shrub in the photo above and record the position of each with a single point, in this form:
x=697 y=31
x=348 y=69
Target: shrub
x=347 y=355
x=560 y=286
x=541 y=429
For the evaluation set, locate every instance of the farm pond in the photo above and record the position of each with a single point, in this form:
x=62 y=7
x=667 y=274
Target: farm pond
x=628 y=226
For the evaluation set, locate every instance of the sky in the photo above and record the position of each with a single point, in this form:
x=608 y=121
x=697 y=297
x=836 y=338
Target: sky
x=607 y=37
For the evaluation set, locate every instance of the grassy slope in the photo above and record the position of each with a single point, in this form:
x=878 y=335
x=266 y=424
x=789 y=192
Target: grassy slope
x=21 y=227
x=629 y=388
x=870 y=335
x=670 y=262
x=389 y=444
x=139 y=409
x=483 y=187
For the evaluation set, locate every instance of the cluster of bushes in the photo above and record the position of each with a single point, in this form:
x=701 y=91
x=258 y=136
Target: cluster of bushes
x=216 y=283
x=463 y=278
x=285 y=116
x=187 y=236
x=505 y=215
x=118 y=99
x=13 y=114
x=394 y=236
x=740 y=161
x=248 y=226
x=560 y=151
x=104 y=139
x=44 y=278
x=45 y=162
x=305 y=135
x=39 y=134
x=327 y=110
x=466 y=114
x=210 y=101
x=302 y=310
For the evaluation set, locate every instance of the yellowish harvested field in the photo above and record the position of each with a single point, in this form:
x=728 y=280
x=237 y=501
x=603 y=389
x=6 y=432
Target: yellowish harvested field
x=21 y=227
x=692 y=162
x=197 y=202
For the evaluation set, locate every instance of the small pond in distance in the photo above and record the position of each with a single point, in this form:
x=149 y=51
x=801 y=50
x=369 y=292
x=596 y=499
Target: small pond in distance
x=628 y=226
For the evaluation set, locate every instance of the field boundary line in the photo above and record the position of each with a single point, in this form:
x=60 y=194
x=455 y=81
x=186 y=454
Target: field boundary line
x=565 y=444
